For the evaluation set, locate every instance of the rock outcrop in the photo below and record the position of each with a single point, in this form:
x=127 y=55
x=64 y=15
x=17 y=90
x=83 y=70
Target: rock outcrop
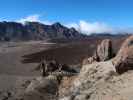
x=51 y=84
x=124 y=59
x=46 y=67
x=52 y=67
x=101 y=80
x=92 y=82
x=103 y=52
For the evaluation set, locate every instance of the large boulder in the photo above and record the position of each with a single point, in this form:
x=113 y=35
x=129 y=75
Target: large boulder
x=103 y=52
x=124 y=59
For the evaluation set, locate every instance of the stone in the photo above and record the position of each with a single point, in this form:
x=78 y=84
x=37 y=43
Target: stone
x=104 y=51
x=124 y=58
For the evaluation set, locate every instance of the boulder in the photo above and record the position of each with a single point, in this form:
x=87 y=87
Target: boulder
x=124 y=58
x=104 y=50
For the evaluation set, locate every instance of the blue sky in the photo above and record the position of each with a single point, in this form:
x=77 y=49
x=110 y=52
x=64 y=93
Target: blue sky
x=109 y=13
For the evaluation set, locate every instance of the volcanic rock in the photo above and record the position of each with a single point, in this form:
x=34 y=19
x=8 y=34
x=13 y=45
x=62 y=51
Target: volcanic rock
x=91 y=81
x=124 y=59
x=104 y=52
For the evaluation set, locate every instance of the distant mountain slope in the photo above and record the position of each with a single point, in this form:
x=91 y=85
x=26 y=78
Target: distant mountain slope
x=12 y=31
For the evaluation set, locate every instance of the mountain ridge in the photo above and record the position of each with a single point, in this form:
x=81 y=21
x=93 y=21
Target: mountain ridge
x=14 y=31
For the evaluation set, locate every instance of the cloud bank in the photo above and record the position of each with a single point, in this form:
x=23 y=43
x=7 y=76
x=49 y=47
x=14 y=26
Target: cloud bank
x=33 y=18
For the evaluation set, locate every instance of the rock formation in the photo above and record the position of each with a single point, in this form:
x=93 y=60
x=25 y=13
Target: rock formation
x=92 y=82
x=101 y=81
x=103 y=52
x=124 y=59
x=52 y=67
x=46 y=67
x=47 y=86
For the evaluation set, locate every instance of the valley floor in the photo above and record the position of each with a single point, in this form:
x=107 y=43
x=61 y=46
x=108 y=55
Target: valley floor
x=19 y=59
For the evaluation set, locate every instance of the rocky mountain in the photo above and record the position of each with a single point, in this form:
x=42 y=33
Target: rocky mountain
x=13 y=31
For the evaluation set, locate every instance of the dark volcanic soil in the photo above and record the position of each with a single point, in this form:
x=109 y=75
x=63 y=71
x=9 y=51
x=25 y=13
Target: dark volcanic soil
x=71 y=53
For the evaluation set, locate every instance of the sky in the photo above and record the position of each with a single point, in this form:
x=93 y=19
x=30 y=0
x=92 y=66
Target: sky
x=87 y=16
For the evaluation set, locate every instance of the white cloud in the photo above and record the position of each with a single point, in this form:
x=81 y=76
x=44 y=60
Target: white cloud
x=31 y=18
x=34 y=18
x=90 y=27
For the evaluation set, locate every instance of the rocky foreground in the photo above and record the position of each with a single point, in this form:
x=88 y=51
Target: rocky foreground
x=108 y=80
x=105 y=76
